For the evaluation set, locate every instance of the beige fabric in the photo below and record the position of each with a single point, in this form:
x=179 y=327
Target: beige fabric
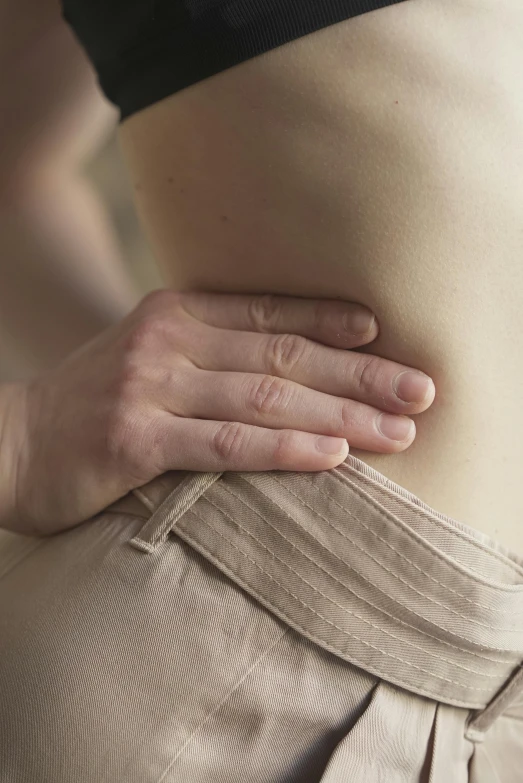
x=262 y=628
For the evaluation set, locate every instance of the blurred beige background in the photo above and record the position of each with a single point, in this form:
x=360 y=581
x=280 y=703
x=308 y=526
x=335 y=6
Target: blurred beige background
x=108 y=174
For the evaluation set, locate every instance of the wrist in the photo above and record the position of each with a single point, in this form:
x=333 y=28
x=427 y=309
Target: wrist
x=12 y=437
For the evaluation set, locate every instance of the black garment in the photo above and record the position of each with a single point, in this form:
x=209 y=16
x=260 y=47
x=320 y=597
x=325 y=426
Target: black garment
x=144 y=50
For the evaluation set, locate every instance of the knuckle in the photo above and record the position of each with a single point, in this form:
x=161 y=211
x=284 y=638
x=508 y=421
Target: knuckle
x=123 y=438
x=134 y=444
x=285 y=448
x=124 y=413
x=151 y=456
x=266 y=395
x=129 y=376
x=159 y=299
x=264 y=312
x=152 y=331
x=350 y=417
x=366 y=373
x=152 y=326
x=229 y=440
x=284 y=352
x=143 y=335
x=127 y=386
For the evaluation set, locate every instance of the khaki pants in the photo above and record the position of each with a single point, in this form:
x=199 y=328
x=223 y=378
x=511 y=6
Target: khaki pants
x=262 y=628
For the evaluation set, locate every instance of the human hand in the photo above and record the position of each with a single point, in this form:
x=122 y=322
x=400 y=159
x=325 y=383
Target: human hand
x=200 y=382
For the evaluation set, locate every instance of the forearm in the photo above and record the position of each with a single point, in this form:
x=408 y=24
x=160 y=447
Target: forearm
x=62 y=281
x=61 y=276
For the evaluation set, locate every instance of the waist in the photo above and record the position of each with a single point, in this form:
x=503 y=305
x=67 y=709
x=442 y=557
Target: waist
x=467 y=456
x=358 y=565
x=393 y=180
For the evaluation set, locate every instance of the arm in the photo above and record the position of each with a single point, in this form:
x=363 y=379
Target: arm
x=61 y=276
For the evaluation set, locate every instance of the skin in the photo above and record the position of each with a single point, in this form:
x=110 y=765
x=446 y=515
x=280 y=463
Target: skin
x=378 y=160
x=197 y=382
x=182 y=382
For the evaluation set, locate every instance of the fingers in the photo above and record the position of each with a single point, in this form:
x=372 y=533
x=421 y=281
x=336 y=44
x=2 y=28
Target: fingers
x=337 y=323
x=362 y=377
x=276 y=403
x=193 y=444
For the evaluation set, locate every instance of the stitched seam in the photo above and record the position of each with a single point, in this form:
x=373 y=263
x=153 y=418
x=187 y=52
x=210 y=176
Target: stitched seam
x=390 y=546
x=404 y=557
x=452 y=645
x=506 y=562
x=422 y=512
x=396 y=576
x=396 y=551
x=348 y=611
x=223 y=702
x=350 y=588
x=343 y=631
x=167 y=515
x=308 y=634
x=164 y=516
x=333 y=554
x=428 y=514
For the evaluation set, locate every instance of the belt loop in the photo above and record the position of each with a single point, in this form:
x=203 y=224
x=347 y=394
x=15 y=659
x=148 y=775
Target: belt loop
x=480 y=721
x=157 y=528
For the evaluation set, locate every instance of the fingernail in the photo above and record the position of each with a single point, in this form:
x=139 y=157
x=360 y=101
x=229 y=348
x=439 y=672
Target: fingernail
x=331 y=445
x=413 y=386
x=359 y=322
x=395 y=427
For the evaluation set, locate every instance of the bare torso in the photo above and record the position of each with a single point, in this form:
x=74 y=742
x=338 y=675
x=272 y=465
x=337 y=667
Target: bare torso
x=379 y=160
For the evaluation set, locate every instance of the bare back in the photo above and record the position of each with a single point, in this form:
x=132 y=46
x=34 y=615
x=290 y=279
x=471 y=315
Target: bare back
x=379 y=160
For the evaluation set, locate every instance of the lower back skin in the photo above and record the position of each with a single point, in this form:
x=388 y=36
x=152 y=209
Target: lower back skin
x=379 y=160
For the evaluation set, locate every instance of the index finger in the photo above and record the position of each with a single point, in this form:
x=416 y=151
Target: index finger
x=330 y=321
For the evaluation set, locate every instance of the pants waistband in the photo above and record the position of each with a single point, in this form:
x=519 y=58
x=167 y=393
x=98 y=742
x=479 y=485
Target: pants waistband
x=363 y=568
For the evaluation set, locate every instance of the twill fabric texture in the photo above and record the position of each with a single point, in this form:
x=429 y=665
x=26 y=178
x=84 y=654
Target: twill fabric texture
x=271 y=627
